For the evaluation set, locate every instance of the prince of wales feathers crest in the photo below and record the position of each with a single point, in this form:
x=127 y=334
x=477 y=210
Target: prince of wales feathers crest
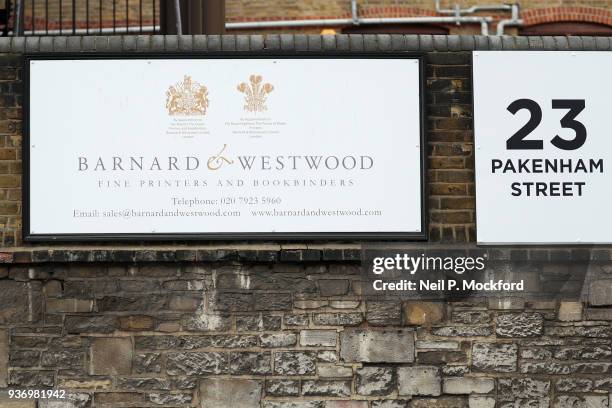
x=256 y=94
x=187 y=98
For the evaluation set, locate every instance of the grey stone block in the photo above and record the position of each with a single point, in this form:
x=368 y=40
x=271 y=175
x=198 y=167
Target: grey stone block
x=398 y=43
x=334 y=371
x=522 y=43
x=272 y=42
x=147 y=363
x=600 y=292
x=375 y=381
x=197 y=363
x=111 y=356
x=318 y=338
x=328 y=42
x=90 y=324
x=562 y=43
x=230 y=392
x=412 y=42
x=115 y=43
x=465 y=385
x=283 y=388
x=535 y=42
x=73 y=44
x=129 y=43
x=356 y=42
x=158 y=43
x=70 y=400
x=326 y=388
x=440 y=43
x=199 y=43
x=419 y=381
x=588 y=44
x=370 y=42
x=294 y=362
x=587 y=401
x=228 y=42
x=512 y=389
x=286 y=42
x=479 y=401
x=32 y=44
x=20 y=302
x=342 y=42
x=301 y=42
x=575 y=43
x=31 y=379
x=214 y=42
x=275 y=340
x=18 y=44
x=549 y=43
x=495 y=43
x=143 y=43
x=243 y=43
x=482 y=43
x=46 y=44
x=337 y=319
x=602 y=43
x=519 y=324
x=426 y=43
x=171 y=43
x=368 y=346
x=384 y=42
x=501 y=358
x=100 y=43
x=468 y=42
x=314 y=43
x=508 y=43
x=185 y=43
x=253 y=363
x=384 y=313
x=88 y=44
x=454 y=43
x=5 y=44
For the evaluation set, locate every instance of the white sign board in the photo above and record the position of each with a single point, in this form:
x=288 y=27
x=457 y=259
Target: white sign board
x=543 y=146
x=220 y=147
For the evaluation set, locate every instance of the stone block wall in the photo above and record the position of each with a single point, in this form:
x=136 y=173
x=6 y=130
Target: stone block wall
x=281 y=328
x=293 y=325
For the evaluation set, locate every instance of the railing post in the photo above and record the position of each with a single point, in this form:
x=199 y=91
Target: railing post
x=213 y=16
x=19 y=18
x=196 y=16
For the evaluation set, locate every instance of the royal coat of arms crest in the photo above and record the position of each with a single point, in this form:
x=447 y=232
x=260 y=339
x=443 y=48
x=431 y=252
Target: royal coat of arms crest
x=187 y=98
x=255 y=94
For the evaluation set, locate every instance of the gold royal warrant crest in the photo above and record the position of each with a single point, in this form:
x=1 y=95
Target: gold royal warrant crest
x=187 y=98
x=256 y=93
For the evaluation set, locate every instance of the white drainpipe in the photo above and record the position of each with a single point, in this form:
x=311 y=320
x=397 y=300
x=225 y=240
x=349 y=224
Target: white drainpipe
x=514 y=21
x=355 y=20
x=483 y=21
x=457 y=11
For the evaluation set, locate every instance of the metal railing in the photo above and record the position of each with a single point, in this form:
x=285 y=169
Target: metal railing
x=79 y=17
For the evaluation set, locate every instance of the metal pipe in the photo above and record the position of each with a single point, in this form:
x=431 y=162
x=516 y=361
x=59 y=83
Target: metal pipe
x=483 y=21
x=107 y=30
x=355 y=12
x=19 y=18
x=514 y=21
x=474 y=9
x=179 y=23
